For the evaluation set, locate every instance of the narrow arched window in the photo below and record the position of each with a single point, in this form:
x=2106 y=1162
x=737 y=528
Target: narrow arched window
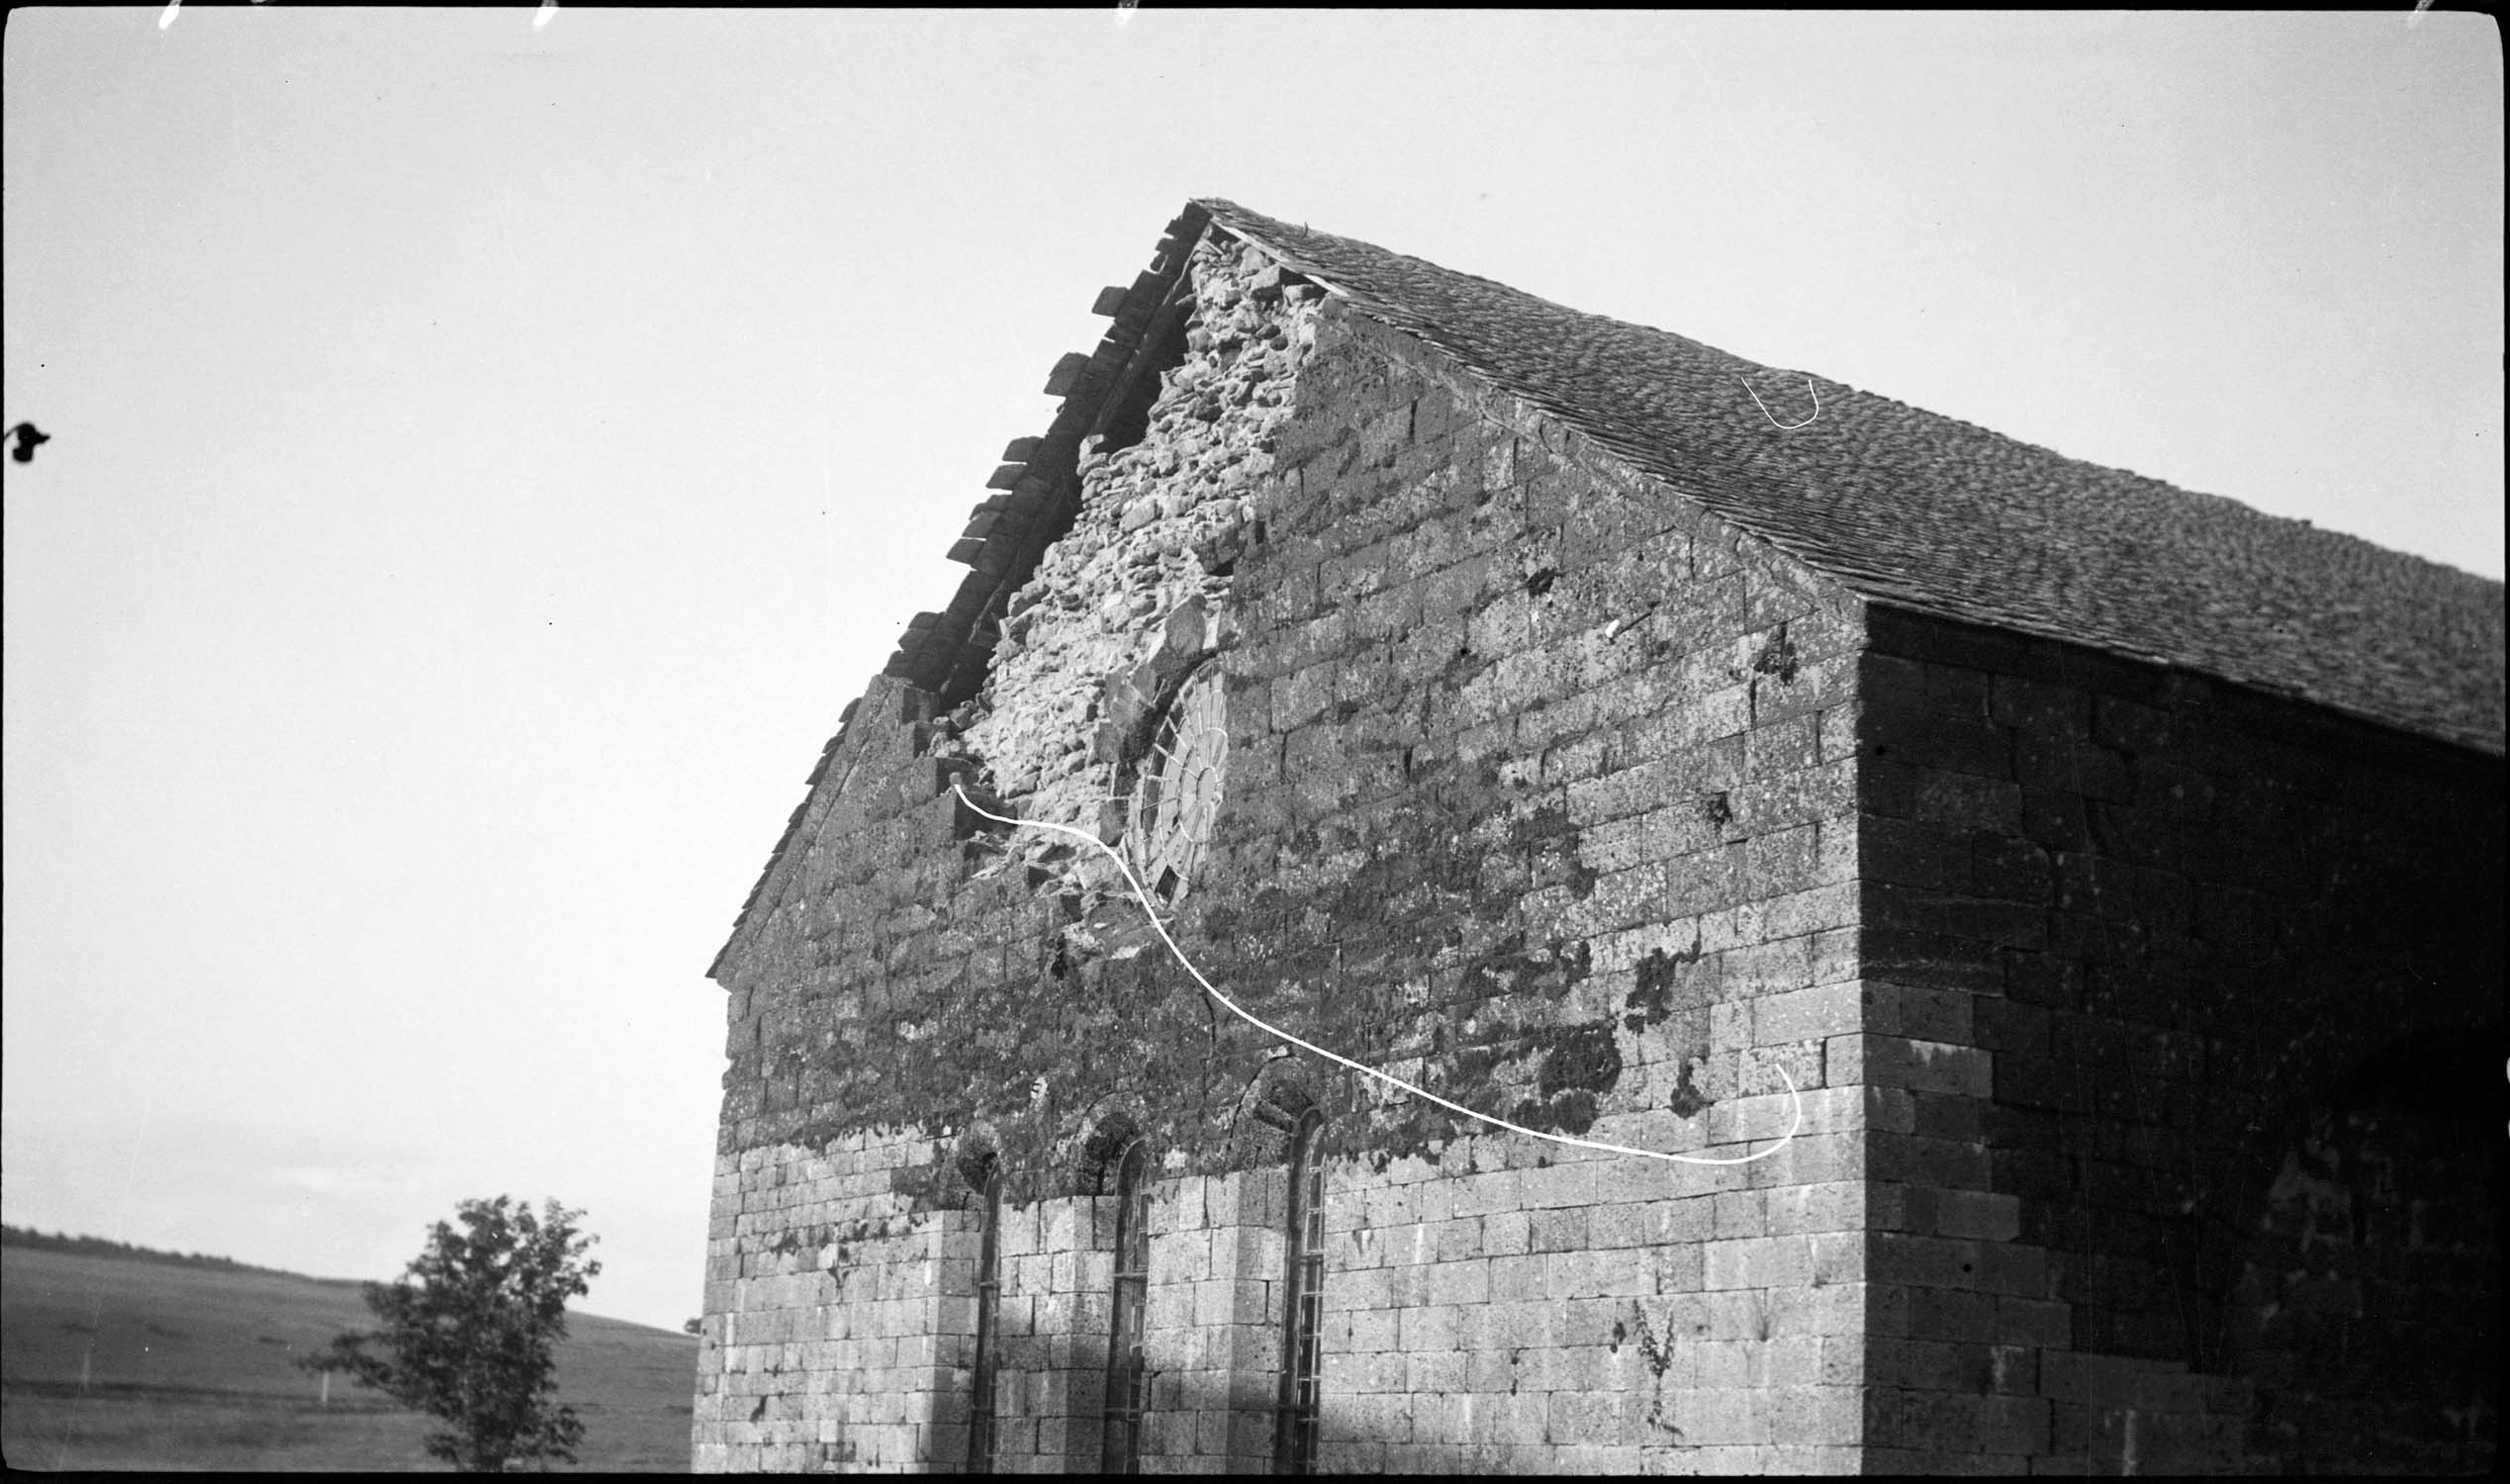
x=988 y=1300
x=1122 y=1441
x=1303 y=1308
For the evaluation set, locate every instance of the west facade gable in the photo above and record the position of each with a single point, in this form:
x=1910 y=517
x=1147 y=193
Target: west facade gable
x=1526 y=798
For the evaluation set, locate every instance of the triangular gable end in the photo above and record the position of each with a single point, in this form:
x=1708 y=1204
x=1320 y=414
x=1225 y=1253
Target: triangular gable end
x=1037 y=490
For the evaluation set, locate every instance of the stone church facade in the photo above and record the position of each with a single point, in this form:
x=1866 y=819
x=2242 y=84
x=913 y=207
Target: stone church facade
x=1589 y=727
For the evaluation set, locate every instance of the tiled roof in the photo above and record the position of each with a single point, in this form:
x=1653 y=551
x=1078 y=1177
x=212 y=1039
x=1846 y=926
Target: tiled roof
x=1932 y=514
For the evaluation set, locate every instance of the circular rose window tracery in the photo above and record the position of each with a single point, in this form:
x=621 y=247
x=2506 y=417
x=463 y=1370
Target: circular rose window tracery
x=1176 y=793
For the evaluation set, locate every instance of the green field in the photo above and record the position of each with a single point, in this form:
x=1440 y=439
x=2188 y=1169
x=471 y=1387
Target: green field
x=123 y=1362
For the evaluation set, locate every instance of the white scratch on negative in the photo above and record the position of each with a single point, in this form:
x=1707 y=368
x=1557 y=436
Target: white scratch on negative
x=1787 y=427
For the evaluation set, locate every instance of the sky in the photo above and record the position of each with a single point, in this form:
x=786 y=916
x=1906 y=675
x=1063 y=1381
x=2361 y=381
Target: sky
x=490 y=447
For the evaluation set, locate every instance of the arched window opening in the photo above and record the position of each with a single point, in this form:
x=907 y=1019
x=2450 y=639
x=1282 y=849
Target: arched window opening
x=988 y=1301
x=1178 y=786
x=1125 y=1371
x=1303 y=1308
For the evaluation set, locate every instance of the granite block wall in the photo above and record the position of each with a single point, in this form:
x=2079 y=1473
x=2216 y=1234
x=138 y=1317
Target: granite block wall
x=814 y=1274
x=1552 y=830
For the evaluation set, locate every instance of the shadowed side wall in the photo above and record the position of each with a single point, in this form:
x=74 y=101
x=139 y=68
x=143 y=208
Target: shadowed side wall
x=2176 y=1211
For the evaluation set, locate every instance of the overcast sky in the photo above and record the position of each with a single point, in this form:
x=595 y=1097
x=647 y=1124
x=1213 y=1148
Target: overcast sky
x=489 y=448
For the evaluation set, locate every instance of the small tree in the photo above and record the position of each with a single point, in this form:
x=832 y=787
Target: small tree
x=468 y=1331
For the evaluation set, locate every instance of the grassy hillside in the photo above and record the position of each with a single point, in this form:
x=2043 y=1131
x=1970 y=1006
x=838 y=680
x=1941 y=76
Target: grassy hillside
x=122 y=1362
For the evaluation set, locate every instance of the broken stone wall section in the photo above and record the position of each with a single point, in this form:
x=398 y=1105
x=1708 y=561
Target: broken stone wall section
x=1137 y=593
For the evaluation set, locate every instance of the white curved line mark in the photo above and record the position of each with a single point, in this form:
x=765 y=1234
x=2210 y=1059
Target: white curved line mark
x=1773 y=421
x=1391 y=1080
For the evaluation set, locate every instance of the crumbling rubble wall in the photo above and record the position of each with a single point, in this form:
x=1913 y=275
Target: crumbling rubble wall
x=1139 y=590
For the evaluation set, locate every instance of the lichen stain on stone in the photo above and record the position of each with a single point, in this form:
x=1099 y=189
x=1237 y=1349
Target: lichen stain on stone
x=1687 y=1100
x=1777 y=657
x=1659 y=975
x=1550 y=842
x=1421 y=880
x=1580 y=1064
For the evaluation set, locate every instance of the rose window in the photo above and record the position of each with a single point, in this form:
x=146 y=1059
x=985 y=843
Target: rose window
x=1176 y=793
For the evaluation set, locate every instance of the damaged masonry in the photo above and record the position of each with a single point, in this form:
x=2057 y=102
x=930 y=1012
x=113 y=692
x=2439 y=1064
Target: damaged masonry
x=1135 y=597
x=1496 y=695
